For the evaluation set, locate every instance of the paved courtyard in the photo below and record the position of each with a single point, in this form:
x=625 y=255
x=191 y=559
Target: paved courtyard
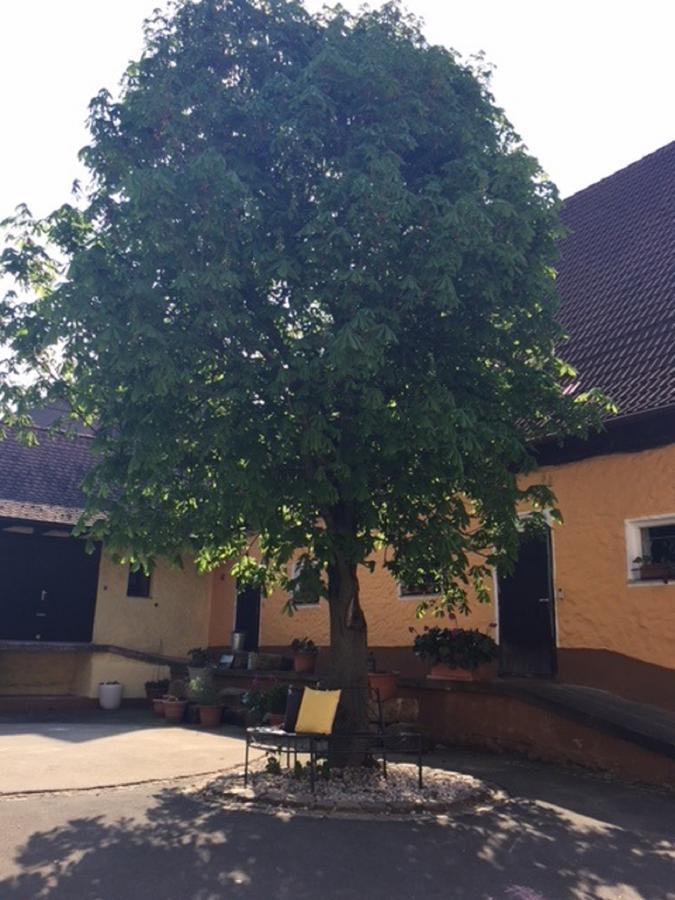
x=101 y=750
x=560 y=834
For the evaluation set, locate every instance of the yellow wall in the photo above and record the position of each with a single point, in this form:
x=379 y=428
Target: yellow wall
x=171 y=621
x=131 y=673
x=221 y=617
x=39 y=673
x=598 y=607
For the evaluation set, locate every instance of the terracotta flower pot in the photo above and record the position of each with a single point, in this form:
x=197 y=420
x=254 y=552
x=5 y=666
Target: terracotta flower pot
x=158 y=707
x=304 y=662
x=210 y=716
x=386 y=683
x=174 y=711
x=441 y=672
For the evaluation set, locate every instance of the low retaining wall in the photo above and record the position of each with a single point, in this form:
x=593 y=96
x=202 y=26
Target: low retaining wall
x=75 y=671
x=470 y=716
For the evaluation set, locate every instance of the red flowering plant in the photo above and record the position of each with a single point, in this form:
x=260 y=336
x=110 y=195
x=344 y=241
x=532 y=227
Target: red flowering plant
x=457 y=648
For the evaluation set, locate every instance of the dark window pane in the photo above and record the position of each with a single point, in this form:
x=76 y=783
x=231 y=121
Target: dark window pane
x=662 y=544
x=138 y=584
x=427 y=587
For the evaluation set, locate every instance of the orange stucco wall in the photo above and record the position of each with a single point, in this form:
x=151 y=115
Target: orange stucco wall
x=596 y=605
x=389 y=616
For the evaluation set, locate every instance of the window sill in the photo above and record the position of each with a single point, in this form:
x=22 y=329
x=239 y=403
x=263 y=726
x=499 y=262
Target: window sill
x=651 y=582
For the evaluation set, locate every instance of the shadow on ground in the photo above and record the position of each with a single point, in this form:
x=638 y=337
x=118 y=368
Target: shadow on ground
x=175 y=847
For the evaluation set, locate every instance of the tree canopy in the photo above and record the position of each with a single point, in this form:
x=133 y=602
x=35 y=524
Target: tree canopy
x=307 y=295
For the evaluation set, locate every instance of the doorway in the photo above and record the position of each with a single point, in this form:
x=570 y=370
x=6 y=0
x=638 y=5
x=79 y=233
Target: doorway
x=526 y=611
x=48 y=584
x=247 y=616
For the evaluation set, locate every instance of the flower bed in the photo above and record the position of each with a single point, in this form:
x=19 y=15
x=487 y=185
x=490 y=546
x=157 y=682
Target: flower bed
x=354 y=790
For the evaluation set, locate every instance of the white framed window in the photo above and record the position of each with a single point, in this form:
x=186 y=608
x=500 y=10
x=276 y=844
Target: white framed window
x=299 y=600
x=650 y=550
x=425 y=587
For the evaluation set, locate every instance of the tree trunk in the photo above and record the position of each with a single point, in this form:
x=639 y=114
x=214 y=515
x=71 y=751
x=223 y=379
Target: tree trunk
x=349 y=661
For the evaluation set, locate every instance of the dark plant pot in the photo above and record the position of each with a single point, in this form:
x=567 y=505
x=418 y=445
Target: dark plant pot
x=174 y=711
x=276 y=719
x=154 y=693
x=210 y=716
x=385 y=683
x=441 y=672
x=304 y=662
x=158 y=707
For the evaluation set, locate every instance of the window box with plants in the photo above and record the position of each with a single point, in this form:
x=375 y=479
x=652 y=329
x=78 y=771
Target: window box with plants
x=457 y=654
x=647 y=569
x=304 y=652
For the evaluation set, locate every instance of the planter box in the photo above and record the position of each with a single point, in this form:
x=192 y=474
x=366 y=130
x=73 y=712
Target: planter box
x=441 y=672
x=656 y=572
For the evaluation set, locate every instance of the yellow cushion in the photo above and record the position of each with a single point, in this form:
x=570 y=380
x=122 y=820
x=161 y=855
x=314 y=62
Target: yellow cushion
x=317 y=712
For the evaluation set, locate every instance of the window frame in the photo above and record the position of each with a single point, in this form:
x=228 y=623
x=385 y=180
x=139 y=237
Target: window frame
x=302 y=604
x=634 y=547
x=415 y=595
x=137 y=596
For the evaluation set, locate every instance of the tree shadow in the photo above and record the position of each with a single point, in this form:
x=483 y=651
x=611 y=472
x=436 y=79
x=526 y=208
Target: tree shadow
x=180 y=847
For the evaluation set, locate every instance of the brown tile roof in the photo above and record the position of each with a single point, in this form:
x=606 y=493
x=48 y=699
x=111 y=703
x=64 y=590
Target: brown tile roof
x=617 y=284
x=44 y=483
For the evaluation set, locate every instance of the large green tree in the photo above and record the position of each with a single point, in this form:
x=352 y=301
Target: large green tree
x=307 y=295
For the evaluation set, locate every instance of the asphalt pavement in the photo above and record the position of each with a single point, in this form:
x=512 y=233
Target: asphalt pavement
x=559 y=834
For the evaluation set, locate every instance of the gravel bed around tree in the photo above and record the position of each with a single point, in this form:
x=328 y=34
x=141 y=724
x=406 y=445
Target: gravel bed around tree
x=353 y=790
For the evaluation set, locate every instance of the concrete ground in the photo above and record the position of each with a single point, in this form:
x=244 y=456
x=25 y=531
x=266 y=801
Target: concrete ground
x=559 y=835
x=100 y=750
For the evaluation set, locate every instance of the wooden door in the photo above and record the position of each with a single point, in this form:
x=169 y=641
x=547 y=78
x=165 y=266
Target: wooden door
x=526 y=611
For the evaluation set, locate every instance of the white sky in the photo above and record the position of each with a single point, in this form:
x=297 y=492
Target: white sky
x=587 y=83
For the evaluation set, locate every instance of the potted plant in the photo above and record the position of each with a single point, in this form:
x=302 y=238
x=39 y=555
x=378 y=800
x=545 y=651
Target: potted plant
x=158 y=707
x=255 y=703
x=199 y=659
x=304 y=654
x=174 y=709
x=110 y=694
x=275 y=704
x=385 y=683
x=155 y=690
x=456 y=654
x=648 y=570
x=206 y=696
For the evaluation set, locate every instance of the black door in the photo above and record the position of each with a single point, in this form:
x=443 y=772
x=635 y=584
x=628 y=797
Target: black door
x=47 y=586
x=247 y=618
x=526 y=611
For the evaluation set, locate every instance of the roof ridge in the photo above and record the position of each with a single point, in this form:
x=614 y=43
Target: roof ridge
x=634 y=164
x=49 y=429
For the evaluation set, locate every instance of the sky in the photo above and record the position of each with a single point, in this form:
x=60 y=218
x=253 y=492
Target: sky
x=588 y=84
